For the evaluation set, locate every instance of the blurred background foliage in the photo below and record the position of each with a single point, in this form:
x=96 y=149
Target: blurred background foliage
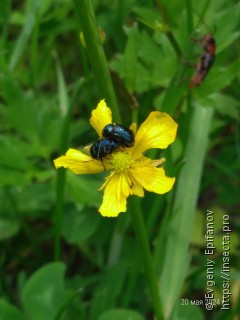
x=45 y=81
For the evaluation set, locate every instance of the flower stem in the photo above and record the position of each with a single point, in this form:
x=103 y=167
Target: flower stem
x=96 y=54
x=61 y=174
x=141 y=234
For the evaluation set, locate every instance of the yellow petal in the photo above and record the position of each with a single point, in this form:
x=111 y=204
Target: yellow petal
x=137 y=190
x=115 y=195
x=151 y=178
x=79 y=162
x=101 y=116
x=157 y=131
x=133 y=127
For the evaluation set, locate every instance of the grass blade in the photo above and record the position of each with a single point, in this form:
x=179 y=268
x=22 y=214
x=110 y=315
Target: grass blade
x=176 y=259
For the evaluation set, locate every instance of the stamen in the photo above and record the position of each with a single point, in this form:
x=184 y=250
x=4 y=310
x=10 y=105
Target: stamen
x=121 y=161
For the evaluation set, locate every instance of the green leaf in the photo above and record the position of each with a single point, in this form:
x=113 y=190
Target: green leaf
x=44 y=292
x=121 y=314
x=8 y=227
x=184 y=208
x=108 y=289
x=79 y=225
x=15 y=153
x=36 y=197
x=229 y=18
x=152 y=53
x=84 y=189
x=226 y=105
x=36 y=119
x=22 y=110
x=10 y=177
x=151 y=19
x=25 y=33
x=173 y=95
x=130 y=60
x=189 y=312
x=198 y=228
x=9 y=312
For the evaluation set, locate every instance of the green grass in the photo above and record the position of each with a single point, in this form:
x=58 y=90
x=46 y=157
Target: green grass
x=59 y=258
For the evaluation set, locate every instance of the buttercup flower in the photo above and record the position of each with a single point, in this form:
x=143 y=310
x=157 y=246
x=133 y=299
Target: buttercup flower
x=130 y=171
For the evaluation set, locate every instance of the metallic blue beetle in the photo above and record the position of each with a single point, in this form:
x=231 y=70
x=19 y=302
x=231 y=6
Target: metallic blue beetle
x=102 y=148
x=119 y=133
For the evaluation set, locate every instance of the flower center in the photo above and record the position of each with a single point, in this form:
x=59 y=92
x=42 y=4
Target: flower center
x=121 y=161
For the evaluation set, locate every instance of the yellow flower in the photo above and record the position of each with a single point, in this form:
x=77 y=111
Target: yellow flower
x=130 y=171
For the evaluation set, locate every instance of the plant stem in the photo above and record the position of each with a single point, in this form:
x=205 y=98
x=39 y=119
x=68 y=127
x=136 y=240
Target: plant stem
x=142 y=238
x=169 y=35
x=96 y=54
x=189 y=16
x=61 y=173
